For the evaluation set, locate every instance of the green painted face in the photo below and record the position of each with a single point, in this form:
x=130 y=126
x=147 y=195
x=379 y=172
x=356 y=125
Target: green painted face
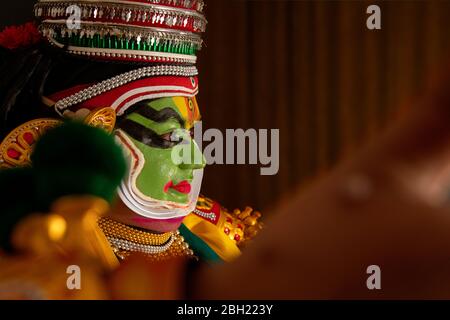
x=155 y=128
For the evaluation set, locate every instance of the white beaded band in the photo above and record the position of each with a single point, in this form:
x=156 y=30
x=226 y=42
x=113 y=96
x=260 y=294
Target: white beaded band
x=131 y=54
x=210 y=216
x=120 y=80
x=135 y=247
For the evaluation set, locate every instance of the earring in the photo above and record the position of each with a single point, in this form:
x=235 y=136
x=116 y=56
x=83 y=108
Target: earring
x=103 y=118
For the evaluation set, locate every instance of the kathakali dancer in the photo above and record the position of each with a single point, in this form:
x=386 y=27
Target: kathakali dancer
x=127 y=67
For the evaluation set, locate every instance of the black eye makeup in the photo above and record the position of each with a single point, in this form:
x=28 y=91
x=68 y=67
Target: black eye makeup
x=172 y=137
x=161 y=115
x=148 y=136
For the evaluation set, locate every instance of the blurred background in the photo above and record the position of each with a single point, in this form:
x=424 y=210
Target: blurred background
x=311 y=69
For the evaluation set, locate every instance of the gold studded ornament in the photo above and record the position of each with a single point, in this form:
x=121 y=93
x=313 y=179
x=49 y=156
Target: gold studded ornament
x=103 y=118
x=126 y=240
x=112 y=228
x=16 y=148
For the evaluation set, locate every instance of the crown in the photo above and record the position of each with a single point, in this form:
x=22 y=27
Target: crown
x=161 y=31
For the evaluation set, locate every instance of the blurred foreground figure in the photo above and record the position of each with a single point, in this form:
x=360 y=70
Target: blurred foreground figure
x=62 y=253
x=386 y=207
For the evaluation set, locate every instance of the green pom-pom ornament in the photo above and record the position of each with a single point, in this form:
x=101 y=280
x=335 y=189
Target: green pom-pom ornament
x=71 y=159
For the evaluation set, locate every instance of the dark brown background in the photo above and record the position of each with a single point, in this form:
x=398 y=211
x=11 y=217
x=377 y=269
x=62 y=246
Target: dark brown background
x=311 y=69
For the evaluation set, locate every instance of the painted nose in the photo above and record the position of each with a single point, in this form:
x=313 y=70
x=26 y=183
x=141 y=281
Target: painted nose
x=198 y=160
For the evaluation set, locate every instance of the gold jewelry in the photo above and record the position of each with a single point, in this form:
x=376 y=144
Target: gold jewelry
x=16 y=148
x=125 y=240
x=103 y=118
x=178 y=248
x=117 y=230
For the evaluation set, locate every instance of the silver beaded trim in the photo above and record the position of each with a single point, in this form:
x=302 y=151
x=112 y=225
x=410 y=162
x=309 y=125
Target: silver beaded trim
x=120 y=80
x=130 y=54
x=210 y=216
x=130 y=13
x=187 y=4
x=135 y=247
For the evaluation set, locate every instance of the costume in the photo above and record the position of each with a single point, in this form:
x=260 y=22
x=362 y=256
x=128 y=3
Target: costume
x=145 y=97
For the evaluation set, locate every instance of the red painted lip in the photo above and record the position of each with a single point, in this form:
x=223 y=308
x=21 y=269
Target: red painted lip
x=182 y=187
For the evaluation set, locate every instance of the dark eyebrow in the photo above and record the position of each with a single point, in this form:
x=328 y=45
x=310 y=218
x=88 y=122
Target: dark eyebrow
x=145 y=135
x=158 y=116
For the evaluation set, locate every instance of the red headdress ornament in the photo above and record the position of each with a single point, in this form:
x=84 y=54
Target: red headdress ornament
x=22 y=36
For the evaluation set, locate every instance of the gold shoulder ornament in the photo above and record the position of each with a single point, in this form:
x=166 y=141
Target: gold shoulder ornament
x=16 y=148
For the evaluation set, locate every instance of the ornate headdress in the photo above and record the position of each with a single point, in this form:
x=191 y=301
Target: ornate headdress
x=163 y=35
x=131 y=30
x=159 y=39
x=155 y=42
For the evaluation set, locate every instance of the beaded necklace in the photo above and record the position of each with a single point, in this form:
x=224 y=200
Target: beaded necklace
x=126 y=239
